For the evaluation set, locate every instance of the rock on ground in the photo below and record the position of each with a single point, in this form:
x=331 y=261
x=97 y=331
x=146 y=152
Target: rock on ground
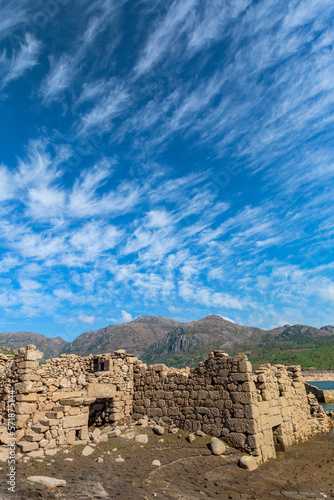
x=191 y=438
x=142 y=438
x=49 y=482
x=88 y=450
x=159 y=429
x=217 y=446
x=247 y=462
x=114 y=433
x=156 y=463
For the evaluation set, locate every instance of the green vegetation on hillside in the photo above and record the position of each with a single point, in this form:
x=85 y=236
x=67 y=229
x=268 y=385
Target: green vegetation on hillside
x=304 y=351
x=298 y=349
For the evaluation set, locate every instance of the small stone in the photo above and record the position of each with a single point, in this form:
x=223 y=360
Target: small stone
x=36 y=453
x=69 y=459
x=142 y=438
x=247 y=462
x=156 y=463
x=96 y=433
x=159 y=430
x=200 y=433
x=217 y=446
x=99 y=460
x=174 y=430
x=114 y=433
x=88 y=450
x=191 y=438
x=119 y=460
x=49 y=482
x=50 y=453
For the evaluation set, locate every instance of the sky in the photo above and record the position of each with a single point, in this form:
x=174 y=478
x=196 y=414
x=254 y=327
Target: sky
x=165 y=158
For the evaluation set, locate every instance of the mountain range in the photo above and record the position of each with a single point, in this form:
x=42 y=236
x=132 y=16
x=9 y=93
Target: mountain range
x=157 y=339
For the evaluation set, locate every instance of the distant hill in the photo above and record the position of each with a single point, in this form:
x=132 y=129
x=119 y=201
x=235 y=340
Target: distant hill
x=328 y=328
x=135 y=336
x=51 y=347
x=190 y=342
x=297 y=344
x=156 y=339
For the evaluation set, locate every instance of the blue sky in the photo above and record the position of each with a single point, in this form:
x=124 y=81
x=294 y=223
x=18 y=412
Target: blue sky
x=171 y=158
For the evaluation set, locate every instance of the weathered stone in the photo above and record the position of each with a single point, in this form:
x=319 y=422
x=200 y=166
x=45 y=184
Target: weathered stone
x=236 y=439
x=114 y=433
x=101 y=390
x=158 y=429
x=25 y=408
x=217 y=446
x=75 y=421
x=26 y=446
x=141 y=438
x=49 y=482
x=191 y=437
x=88 y=450
x=248 y=462
x=34 y=437
x=36 y=453
x=96 y=433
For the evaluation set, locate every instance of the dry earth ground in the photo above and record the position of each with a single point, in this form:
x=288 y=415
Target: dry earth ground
x=189 y=471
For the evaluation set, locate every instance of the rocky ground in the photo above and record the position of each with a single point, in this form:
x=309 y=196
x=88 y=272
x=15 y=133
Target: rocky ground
x=122 y=468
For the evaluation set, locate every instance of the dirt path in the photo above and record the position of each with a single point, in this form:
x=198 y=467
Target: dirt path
x=188 y=471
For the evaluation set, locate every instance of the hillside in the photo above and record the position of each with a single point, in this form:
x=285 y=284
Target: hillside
x=155 y=339
x=135 y=337
x=298 y=344
x=51 y=347
x=188 y=344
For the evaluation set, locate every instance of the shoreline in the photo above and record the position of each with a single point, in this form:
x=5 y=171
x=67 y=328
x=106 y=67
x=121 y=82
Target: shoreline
x=318 y=376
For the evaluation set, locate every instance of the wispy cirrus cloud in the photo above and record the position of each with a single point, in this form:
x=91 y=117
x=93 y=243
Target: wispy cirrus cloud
x=209 y=187
x=14 y=66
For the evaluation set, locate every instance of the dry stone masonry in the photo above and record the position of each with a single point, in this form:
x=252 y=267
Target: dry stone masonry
x=57 y=401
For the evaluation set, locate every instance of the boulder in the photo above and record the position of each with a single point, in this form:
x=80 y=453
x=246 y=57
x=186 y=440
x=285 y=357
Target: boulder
x=49 y=482
x=158 y=429
x=217 y=446
x=26 y=446
x=114 y=433
x=200 y=433
x=88 y=450
x=191 y=438
x=247 y=462
x=96 y=433
x=142 y=438
x=36 y=453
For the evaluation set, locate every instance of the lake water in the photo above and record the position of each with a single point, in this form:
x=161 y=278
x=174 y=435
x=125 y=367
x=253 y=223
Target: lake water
x=326 y=386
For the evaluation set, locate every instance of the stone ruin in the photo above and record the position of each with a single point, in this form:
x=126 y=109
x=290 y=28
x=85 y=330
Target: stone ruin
x=56 y=402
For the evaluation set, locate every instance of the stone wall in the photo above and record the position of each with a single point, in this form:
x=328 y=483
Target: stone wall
x=56 y=402
x=259 y=412
x=322 y=395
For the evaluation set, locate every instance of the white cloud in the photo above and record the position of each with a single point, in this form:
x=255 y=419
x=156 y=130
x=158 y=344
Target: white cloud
x=126 y=317
x=87 y=319
x=105 y=110
x=61 y=74
x=25 y=59
x=327 y=292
